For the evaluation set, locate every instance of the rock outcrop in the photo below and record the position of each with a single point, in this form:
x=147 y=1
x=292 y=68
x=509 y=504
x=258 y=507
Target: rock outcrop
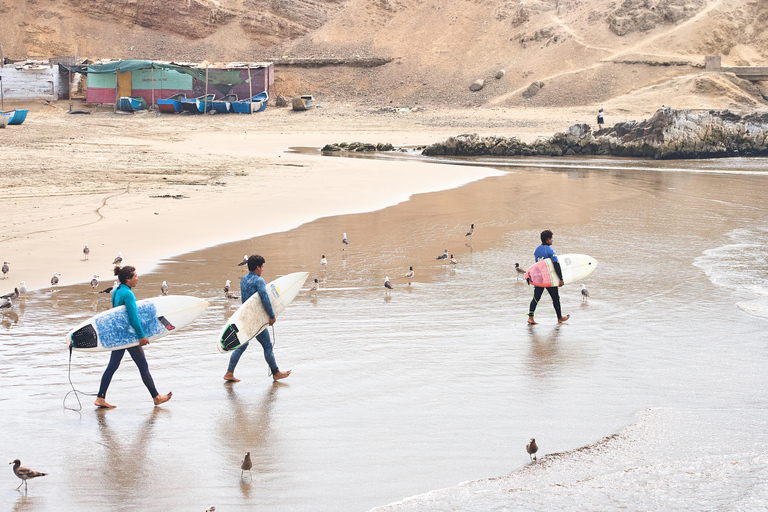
x=360 y=147
x=669 y=134
x=644 y=15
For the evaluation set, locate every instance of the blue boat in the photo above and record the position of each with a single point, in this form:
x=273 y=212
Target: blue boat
x=131 y=103
x=198 y=105
x=224 y=105
x=15 y=116
x=172 y=104
x=257 y=103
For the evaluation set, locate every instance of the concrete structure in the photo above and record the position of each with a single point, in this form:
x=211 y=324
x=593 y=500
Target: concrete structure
x=713 y=63
x=33 y=80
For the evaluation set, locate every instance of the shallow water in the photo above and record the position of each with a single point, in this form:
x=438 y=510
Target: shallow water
x=439 y=382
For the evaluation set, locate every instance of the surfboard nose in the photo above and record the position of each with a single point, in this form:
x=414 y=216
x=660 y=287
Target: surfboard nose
x=592 y=262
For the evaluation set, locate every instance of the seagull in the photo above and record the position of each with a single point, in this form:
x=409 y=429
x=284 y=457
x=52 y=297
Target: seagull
x=443 y=256
x=55 y=280
x=471 y=230
x=231 y=295
x=323 y=261
x=246 y=465
x=453 y=260
x=108 y=290
x=23 y=289
x=6 y=268
x=315 y=286
x=584 y=294
x=13 y=295
x=227 y=286
x=24 y=473
x=387 y=284
x=344 y=239
x=6 y=304
x=520 y=272
x=95 y=281
x=86 y=251
x=164 y=288
x=531 y=448
x=244 y=262
x=409 y=274
x=118 y=259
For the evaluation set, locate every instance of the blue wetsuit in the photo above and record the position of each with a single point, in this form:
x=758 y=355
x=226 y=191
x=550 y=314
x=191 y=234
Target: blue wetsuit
x=250 y=284
x=123 y=296
x=543 y=252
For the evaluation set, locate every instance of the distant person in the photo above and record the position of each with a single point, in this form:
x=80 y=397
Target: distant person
x=251 y=283
x=543 y=252
x=600 y=120
x=123 y=296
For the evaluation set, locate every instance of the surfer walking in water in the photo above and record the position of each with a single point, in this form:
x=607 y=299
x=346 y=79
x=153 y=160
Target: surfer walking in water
x=542 y=252
x=251 y=283
x=123 y=296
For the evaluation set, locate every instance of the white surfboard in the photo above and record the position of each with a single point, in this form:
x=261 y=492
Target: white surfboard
x=251 y=318
x=159 y=316
x=574 y=267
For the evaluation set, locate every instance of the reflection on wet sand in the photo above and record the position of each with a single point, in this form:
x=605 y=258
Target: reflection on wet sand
x=545 y=356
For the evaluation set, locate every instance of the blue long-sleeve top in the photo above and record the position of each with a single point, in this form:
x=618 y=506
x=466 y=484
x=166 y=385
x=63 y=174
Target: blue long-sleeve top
x=543 y=252
x=123 y=296
x=250 y=284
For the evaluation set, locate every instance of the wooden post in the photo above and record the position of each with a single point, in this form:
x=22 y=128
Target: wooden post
x=117 y=86
x=2 y=60
x=205 y=94
x=152 y=106
x=250 y=90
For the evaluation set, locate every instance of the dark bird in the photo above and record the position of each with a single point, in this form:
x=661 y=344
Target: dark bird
x=13 y=295
x=344 y=239
x=24 y=473
x=86 y=251
x=95 y=281
x=164 y=288
x=55 y=280
x=520 y=272
x=6 y=268
x=246 y=465
x=584 y=294
x=244 y=262
x=443 y=256
x=227 y=286
x=387 y=284
x=108 y=290
x=471 y=230
x=6 y=303
x=531 y=448
x=118 y=259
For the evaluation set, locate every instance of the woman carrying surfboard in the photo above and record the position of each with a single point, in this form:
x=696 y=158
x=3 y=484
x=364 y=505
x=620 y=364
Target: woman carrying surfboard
x=124 y=296
x=543 y=252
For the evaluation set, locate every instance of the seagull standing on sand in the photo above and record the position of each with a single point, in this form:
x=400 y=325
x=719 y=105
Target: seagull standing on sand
x=531 y=448
x=519 y=271
x=118 y=259
x=323 y=261
x=86 y=251
x=95 y=281
x=387 y=284
x=23 y=289
x=246 y=465
x=6 y=268
x=344 y=239
x=453 y=260
x=443 y=256
x=164 y=288
x=584 y=294
x=471 y=230
x=24 y=473
x=55 y=280
x=244 y=262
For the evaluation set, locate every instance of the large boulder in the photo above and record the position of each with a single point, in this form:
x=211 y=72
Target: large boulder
x=477 y=85
x=533 y=89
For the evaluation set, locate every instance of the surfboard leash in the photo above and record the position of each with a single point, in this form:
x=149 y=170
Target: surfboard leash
x=75 y=391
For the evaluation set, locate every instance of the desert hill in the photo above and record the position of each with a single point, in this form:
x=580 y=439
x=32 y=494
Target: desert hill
x=635 y=54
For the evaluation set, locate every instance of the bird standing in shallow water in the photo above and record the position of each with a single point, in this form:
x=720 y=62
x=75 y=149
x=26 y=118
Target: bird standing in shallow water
x=315 y=286
x=443 y=256
x=453 y=260
x=409 y=274
x=519 y=271
x=13 y=295
x=95 y=281
x=246 y=465
x=55 y=280
x=164 y=288
x=344 y=239
x=6 y=303
x=6 y=269
x=24 y=473
x=86 y=251
x=323 y=261
x=23 y=289
x=118 y=259
x=387 y=284
x=227 y=286
x=584 y=294
x=471 y=230
x=244 y=262
x=532 y=448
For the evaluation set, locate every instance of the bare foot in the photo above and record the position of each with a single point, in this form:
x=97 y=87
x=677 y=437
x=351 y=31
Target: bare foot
x=161 y=399
x=280 y=375
x=531 y=321
x=563 y=319
x=102 y=404
x=230 y=377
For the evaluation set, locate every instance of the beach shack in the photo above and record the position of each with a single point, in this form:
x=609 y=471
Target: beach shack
x=33 y=80
x=153 y=80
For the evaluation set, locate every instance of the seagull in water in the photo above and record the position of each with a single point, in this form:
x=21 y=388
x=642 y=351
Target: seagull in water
x=387 y=284
x=55 y=280
x=443 y=256
x=13 y=295
x=531 y=448
x=108 y=290
x=24 y=473
x=584 y=294
x=23 y=289
x=519 y=271
x=453 y=260
x=244 y=262
x=471 y=230
x=315 y=286
x=118 y=259
x=409 y=274
x=164 y=288
x=344 y=239
x=323 y=261
x=86 y=251
x=6 y=303
x=227 y=286
x=6 y=268
x=246 y=465
x=95 y=281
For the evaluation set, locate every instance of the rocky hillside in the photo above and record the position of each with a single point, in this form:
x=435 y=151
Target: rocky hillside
x=632 y=54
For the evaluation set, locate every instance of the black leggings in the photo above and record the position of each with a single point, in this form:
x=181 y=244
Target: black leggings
x=137 y=354
x=553 y=292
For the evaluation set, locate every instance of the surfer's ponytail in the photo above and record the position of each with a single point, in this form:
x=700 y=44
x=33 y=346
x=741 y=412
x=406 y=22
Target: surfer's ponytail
x=124 y=273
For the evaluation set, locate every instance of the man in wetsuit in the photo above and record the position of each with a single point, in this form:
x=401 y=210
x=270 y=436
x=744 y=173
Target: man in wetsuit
x=542 y=252
x=252 y=283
